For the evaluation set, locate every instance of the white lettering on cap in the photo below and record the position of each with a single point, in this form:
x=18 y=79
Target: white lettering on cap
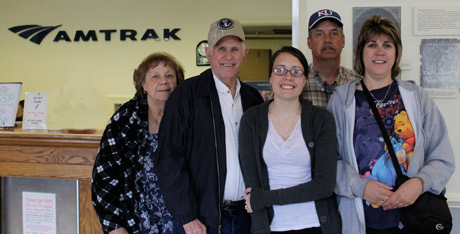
x=325 y=13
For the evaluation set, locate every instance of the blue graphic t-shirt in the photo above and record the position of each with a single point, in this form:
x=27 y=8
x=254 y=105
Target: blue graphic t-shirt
x=374 y=161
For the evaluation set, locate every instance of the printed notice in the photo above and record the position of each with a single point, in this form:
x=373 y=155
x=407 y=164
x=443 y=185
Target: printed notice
x=9 y=99
x=38 y=213
x=35 y=111
x=437 y=21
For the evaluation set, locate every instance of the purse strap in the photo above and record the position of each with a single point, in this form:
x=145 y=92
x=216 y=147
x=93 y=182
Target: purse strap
x=383 y=130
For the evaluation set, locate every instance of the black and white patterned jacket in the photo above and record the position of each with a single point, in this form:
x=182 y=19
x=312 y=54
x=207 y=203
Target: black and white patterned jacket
x=114 y=188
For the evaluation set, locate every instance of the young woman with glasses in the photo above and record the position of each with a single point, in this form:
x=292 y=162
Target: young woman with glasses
x=288 y=155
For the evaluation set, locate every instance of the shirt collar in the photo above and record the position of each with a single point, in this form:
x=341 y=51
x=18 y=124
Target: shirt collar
x=222 y=88
x=321 y=79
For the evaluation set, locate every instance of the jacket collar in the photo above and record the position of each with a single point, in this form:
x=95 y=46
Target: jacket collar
x=205 y=83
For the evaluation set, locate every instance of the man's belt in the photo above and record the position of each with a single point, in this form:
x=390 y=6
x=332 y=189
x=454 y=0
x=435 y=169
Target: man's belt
x=233 y=205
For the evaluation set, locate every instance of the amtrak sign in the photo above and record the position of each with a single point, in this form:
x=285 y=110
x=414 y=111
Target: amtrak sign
x=37 y=33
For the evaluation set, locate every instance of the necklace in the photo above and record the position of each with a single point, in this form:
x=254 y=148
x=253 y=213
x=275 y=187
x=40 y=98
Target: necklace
x=285 y=133
x=379 y=103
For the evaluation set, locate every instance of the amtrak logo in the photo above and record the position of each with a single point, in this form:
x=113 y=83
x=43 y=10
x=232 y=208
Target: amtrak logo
x=36 y=32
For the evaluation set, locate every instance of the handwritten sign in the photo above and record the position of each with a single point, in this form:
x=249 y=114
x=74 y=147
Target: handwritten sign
x=35 y=111
x=39 y=213
x=9 y=100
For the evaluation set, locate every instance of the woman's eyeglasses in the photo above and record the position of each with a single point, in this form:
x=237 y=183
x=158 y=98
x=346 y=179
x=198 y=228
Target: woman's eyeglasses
x=283 y=71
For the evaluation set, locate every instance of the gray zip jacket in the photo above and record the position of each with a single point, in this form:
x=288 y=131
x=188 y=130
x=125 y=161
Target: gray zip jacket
x=432 y=161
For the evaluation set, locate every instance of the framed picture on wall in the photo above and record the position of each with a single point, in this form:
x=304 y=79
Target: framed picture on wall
x=201 y=59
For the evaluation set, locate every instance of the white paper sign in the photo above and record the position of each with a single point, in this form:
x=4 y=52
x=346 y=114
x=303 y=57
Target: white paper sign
x=9 y=99
x=39 y=213
x=35 y=111
x=437 y=20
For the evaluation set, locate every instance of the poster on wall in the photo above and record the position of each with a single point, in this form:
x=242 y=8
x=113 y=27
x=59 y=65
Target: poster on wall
x=440 y=67
x=38 y=213
x=361 y=14
x=437 y=20
x=9 y=100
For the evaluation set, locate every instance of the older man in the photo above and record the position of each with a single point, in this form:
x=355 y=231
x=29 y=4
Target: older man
x=198 y=167
x=326 y=41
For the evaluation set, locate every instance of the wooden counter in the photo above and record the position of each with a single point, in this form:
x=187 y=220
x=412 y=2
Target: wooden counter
x=54 y=154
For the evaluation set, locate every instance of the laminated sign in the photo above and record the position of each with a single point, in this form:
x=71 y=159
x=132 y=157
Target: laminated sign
x=9 y=100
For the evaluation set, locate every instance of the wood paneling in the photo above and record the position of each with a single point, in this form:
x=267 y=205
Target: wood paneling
x=60 y=154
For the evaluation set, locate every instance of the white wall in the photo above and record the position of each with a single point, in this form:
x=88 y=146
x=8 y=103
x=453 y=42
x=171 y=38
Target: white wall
x=411 y=52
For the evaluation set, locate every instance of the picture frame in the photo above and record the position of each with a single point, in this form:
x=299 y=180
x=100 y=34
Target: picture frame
x=201 y=59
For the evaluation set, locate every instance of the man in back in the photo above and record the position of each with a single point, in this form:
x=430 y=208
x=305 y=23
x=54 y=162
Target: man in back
x=198 y=166
x=326 y=41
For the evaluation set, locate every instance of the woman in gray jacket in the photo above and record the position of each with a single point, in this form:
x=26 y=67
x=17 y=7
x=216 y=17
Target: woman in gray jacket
x=366 y=198
x=288 y=156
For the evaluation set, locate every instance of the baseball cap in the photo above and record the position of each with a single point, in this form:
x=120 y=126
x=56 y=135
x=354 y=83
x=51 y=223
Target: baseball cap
x=324 y=14
x=223 y=28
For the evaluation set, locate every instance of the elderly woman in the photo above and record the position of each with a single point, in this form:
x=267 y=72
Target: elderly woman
x=366 y=198
x=125 y=191
x=288 y=155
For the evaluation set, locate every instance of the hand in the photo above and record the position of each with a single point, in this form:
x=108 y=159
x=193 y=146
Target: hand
x=248 y=200
x=377 y=193
x=119 y=231
x=195 y=227
x=406 y=194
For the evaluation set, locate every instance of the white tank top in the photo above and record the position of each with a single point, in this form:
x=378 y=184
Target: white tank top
x=288 y=164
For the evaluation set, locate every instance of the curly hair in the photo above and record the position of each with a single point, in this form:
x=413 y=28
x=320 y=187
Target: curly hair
x=152 y=61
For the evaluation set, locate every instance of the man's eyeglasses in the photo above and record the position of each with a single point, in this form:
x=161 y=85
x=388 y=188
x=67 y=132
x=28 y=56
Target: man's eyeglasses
x=283 y=71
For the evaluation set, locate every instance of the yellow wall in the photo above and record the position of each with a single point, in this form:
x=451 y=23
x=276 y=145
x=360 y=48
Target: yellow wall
x=79 y=77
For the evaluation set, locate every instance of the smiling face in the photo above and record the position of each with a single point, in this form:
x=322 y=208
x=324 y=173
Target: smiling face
x=326 y=41
x=226 y=58
x=287 y=86
x=379 y=56
x=159 y=83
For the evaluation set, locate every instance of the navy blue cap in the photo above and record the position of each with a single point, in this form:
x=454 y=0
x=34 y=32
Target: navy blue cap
x=324 y=14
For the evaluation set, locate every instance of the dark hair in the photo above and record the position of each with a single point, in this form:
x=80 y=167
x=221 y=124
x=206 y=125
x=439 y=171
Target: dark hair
x=372 y=28
x=294 y=52
x=152 y=61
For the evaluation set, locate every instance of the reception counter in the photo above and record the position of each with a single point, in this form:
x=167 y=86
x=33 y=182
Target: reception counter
x=54 y=154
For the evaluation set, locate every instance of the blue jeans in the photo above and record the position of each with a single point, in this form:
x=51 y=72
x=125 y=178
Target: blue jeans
x=233 y=222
